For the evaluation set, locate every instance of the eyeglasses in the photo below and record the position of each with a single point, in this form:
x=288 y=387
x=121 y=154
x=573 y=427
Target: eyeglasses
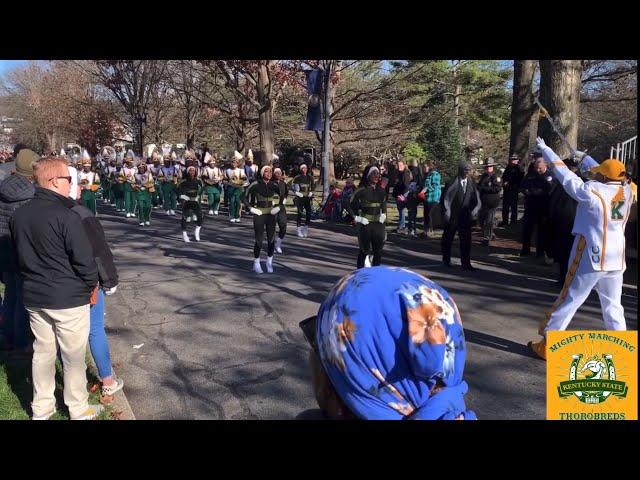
x=67 y=178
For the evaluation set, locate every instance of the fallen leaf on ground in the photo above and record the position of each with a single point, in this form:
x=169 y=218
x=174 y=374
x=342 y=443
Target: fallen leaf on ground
x=138 y=346
x=106 y=399
x=94 y=388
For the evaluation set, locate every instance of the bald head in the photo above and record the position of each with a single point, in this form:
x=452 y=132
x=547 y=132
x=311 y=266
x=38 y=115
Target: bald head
x=52 y=173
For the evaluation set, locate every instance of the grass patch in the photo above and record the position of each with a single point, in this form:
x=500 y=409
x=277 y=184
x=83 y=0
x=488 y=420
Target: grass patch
x=16 y=389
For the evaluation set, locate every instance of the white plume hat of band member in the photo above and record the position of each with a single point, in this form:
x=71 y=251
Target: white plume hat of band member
x=191 y=168
x=85 y=156
x=207 y=157
x=237 y=155
x=304 y=165
x=62 y=152
x=250 y=155
x=174 y=156
x=277 y=170
x=373 y=170
x=275 y=157
x=265 y=167
x=130 y=157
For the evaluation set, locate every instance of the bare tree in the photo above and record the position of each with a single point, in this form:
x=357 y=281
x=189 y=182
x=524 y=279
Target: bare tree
x=132 y=82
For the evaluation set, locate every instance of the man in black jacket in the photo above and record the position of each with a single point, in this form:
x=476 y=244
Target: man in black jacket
x=15 y=191
x=460 y=206
x=401 y=191
x=57 y=264
x=536 y=187
x=511 y=179
x=489 y=188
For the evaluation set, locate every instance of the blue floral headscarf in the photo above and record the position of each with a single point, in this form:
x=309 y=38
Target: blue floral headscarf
x=386 y=338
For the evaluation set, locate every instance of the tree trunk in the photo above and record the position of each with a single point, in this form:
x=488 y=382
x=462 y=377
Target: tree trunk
x=456 y=96
x=190 y=140
x=51 y=142
x=522 y=107
x=265 y=114
x=560 y=82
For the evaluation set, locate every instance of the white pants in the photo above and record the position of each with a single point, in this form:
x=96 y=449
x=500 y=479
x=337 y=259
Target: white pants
x=580 y=280
x=69 y=329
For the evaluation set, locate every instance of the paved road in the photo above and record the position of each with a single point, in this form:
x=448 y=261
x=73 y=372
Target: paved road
x=223 y=343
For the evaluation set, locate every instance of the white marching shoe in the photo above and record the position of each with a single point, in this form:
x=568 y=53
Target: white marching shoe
x=305 y=231
x=215 y=212
x=147 y=222
x=142 y=224
x=197 y=234
x=194 y=218
x=367 y=260
x=300 y=234
x=210 y=212
x=173 y=212
x=256 y=265
x=168 y=212
x=269 y=264
x=278 y=245
x=185 y=236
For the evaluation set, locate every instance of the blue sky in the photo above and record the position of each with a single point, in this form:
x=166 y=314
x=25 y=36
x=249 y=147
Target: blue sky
x=6 y=65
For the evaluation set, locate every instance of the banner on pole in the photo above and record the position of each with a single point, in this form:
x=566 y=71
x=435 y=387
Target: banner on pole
x=314 y=108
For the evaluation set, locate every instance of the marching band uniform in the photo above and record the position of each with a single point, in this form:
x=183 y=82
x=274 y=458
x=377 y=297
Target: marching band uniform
x=212 y=177
x=598 y=254
x=190 y=190
x=143 y=188
x=156 y=194
x=281 y=217
x=236 y=180
x=303 y=190
x=129 y=180
x=88 y=182
x=371 y=201
x=168 y=177
x=263 y=200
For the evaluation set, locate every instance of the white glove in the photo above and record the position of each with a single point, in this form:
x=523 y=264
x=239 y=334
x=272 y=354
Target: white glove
x=255 y=211
x=110 y=291
x=284 y=200
x=184 y=197
x=540 y=143
x=383 y=218
x=362 y=220
x=310 y=194
x=299 y=194
x=275 y=210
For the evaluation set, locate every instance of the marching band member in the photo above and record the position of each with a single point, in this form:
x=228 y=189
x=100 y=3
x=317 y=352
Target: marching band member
x=265 y=195
x=212 y=177
x=236 y=180
x=190 y=190
x=371 y=201
x=598 y=254
x=143 y=189
x=89 y=182
x=127 y=186
x=281 y=217
x=303 y=186
x=168 y=177
x=155 y=169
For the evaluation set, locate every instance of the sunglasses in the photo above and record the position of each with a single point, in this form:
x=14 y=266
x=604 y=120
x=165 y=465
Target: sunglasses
x=68 y=178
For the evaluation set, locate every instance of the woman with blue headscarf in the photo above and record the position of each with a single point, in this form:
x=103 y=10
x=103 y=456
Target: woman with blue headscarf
x=389 y=346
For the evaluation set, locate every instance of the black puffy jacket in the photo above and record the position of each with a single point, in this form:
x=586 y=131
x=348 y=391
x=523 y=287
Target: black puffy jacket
x=15 y=191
